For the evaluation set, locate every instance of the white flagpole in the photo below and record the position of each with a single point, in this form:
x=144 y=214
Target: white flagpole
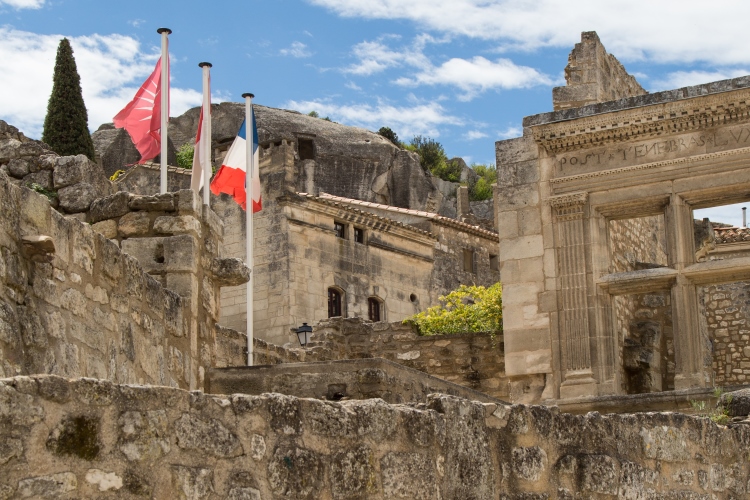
x=250 y=167
x=164 y=32
x=206 y=152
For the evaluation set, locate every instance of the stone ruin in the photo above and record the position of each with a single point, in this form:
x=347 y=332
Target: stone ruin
x=109 y=314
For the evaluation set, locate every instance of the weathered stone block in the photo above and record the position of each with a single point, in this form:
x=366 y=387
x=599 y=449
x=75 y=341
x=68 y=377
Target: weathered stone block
x=70 y=170
x=77 y=436
x=192 y=483
x=529 y=463
x=177 y=225
x=194 y=433
x=156 y=203
x=77 y=197
x=42 y=178
x=52 y=486
x=229 y=272
x=109 y=207
x=134 y=224
x=737 y=403
x=143 y=435
x=189 y=203
x=107 y=228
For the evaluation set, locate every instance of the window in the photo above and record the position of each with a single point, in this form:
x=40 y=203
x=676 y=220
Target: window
x=359 y=235
x=306 y=149
x=334 y=303
x=470 y=264
x=375 y=309
x=494 y=263
x=339 y=229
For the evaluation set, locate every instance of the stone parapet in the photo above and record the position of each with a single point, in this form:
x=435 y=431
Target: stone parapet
x=474 y=360
x=88 y=439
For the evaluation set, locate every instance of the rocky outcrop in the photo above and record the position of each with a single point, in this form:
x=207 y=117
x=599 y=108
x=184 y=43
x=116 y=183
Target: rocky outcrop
x=71 y=183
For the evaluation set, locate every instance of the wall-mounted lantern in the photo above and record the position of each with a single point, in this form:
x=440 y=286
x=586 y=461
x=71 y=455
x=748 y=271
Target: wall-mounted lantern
x=303 y=334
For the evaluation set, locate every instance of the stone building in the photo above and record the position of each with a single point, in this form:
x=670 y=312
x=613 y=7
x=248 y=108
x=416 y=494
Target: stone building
x=605 y=286
x=320 y=256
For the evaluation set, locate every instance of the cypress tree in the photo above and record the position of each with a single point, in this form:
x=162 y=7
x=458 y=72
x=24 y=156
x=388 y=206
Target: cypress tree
x=66 y=128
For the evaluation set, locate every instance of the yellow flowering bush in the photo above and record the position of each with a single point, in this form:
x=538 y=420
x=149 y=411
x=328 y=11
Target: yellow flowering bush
x=464 y=310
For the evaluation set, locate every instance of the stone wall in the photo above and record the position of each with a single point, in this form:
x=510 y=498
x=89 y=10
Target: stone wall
x=474 y=360
x=71 y=303
x=87 y=438
x=727 y=312
x=592 y=75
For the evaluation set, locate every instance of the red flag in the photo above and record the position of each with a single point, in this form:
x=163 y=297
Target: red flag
x=142 y=116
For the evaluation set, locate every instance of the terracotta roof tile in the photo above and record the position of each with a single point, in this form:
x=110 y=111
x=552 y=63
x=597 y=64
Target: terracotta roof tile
x=731 y=234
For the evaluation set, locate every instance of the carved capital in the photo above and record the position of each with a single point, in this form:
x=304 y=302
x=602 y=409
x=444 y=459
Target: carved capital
x=569 y=206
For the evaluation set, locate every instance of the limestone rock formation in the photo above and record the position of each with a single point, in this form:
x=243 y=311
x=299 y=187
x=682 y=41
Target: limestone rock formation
x=333 y=158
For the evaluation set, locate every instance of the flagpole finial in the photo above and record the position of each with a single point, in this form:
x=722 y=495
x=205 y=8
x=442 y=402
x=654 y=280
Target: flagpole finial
x=202 y=64
x=164 y=30
x=248 y=94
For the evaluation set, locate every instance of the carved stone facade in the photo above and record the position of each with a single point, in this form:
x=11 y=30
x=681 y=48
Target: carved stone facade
x=590 y=175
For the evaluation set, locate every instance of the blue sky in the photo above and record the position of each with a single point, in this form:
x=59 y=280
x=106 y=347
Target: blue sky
x=464 y=72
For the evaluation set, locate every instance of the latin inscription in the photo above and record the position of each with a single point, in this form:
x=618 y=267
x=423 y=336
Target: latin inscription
x=646 y=152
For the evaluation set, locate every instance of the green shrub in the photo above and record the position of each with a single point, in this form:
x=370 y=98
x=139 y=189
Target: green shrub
x=185 y=156
x=466 y=309
x=390 y=135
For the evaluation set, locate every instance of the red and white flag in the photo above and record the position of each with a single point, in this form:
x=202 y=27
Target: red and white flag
x=231 y=177
x=202 y=144
x=142 y=116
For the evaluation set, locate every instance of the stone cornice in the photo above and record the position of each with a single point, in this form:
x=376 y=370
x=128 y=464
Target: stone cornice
x=645 y=122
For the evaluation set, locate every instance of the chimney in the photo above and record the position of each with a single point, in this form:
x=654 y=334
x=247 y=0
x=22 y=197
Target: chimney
x=744 y=216
x=462 y=202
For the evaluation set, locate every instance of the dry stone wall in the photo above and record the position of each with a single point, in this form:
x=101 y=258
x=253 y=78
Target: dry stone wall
x=727 y=311
x=93 y=439
x=474 y=360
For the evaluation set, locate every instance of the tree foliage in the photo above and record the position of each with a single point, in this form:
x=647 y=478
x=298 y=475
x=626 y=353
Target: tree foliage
x=390 y=135
x=314 y=114
x=482 y=188
x=185 y=156
x=66 y=128
x=464 y=310
x=432 y=158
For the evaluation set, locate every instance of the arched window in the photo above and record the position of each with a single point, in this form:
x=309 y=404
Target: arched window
x=334 y=303
x=375 y=309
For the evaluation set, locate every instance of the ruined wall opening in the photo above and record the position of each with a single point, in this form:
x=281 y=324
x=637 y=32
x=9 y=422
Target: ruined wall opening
x=306 y=149
x=646 y=342
x=637 y=243
x=335 y=302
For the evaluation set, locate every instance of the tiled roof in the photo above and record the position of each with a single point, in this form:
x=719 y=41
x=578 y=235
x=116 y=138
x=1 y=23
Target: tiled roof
x=345 y=206
x=731 y=234
x=418 y=213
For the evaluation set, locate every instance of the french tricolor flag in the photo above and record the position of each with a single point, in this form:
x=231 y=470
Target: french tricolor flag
x=231 y=177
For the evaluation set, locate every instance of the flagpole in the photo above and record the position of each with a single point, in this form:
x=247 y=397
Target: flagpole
x=250 y=159
x=164 y=32
x=206 y=152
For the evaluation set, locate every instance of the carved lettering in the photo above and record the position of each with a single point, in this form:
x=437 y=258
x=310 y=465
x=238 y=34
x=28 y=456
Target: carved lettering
x=657 y=149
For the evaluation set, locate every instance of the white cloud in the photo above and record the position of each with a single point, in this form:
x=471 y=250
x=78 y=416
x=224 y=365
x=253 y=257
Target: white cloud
x=406 y=121
x=644 y=29
x=472 y=76
x=376 y=56
x=23 y=4
x=510 y=133
x=136 y=23
x=473 y=135
x=478 y=74
x=297 y=49
x=111 y=67
x=352 y=86
x=679 y=79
